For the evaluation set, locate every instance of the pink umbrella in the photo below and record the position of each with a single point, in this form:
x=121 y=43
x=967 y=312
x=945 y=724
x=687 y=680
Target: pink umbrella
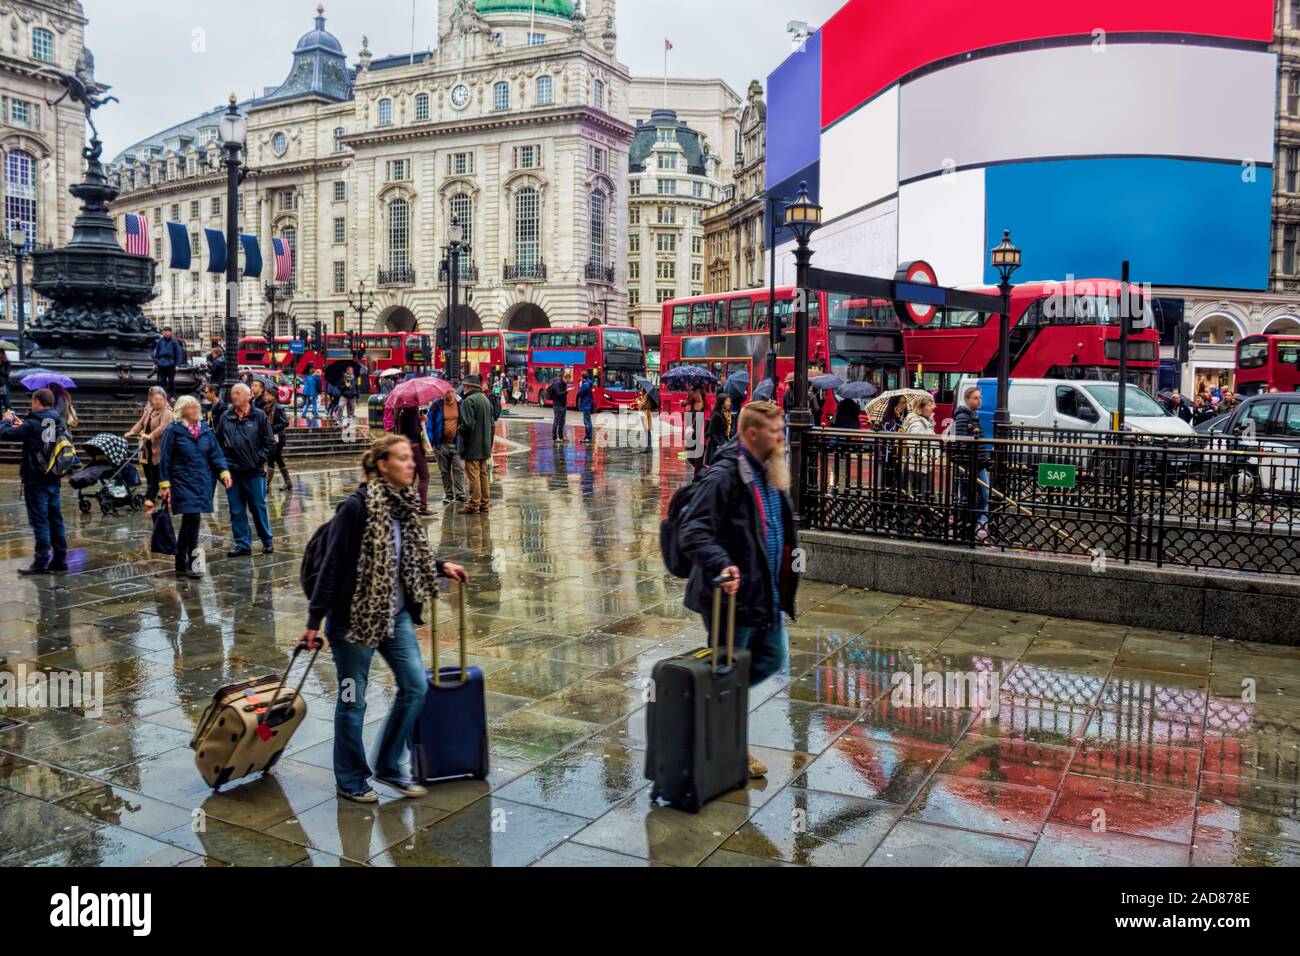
x=417 y=392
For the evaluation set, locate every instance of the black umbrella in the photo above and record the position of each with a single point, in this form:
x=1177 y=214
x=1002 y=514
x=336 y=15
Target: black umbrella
x=765 y=391
x=827 y=382
x=857 y=391
x=686 y=377
x=644 y=383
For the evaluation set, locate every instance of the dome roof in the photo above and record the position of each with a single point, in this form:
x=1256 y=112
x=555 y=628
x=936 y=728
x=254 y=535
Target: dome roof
x=319 y=38
x=549 y=8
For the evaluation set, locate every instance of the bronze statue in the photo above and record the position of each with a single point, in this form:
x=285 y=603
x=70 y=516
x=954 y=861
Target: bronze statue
x=82 y=88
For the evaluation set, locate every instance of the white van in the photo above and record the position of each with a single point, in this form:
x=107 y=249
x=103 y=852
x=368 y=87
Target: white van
x=1083 y=405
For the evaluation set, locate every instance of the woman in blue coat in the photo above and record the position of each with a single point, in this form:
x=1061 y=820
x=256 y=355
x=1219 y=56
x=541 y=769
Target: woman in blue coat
x=188 y=470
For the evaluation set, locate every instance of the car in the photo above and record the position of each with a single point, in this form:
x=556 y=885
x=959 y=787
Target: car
x=284 y=385
x=1261 y=423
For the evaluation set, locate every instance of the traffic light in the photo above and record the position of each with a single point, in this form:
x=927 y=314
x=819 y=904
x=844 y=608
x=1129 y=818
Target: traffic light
x=318 y=340
x=1182 y=342
x=441 y=338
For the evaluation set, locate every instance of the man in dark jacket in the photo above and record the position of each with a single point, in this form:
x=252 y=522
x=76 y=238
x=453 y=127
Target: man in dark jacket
x=167 y=355
x=966 y=424
x=41 y=489
x=217 y=365
x=247 y=441
x=558 y=395
x=477 y=429
x=740 y=524
x=587 y=402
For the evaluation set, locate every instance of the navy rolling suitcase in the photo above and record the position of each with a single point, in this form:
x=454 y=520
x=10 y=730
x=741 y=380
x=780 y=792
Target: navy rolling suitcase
x=451 y=738
x=697 y=725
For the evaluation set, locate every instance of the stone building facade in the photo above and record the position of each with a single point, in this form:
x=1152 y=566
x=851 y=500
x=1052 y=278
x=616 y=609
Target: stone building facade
x=40 y=144
x=735 y=233
x=512 y=125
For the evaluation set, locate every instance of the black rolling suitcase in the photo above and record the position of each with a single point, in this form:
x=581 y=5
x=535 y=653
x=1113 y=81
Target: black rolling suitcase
x=697 y=722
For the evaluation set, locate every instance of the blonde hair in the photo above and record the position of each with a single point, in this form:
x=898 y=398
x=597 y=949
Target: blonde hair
x=379 y=451
x=182 y=403
x=756 y=414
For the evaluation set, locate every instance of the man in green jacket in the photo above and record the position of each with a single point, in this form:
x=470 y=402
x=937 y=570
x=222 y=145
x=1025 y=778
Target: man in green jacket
x=477 y=427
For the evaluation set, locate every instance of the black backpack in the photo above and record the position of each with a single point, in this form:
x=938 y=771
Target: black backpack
x=678 y=565
x=59 y=453
x=312 y=559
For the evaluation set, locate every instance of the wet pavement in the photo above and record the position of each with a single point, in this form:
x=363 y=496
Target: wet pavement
x=1103 y=745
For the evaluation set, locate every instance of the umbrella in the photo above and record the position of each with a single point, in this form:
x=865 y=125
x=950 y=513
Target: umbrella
x=43 y=378
x=875 y=409
x=857 y=391
x=827 y=382
x=392 y=373
x=114 y=447
x=685 y=377
x=765 y=391
x=740 y=377
x=644 y=383
x=267 y=383
x=417 y=392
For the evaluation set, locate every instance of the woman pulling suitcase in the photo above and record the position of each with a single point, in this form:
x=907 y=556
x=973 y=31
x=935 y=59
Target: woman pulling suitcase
x=377 y=574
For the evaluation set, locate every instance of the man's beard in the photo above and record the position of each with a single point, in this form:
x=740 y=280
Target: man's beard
x=778 y=469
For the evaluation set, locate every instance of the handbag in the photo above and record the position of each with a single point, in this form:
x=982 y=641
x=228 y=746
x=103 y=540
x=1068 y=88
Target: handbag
x=163 y=540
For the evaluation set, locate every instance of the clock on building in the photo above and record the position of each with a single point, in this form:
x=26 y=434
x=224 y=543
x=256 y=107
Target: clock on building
x=460 y=96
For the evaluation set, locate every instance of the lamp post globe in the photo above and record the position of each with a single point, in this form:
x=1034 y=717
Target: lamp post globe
x=1005 y=259
x=802 y=217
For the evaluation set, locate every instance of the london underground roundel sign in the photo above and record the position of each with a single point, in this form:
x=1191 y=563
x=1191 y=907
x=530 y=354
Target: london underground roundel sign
x=918 y=272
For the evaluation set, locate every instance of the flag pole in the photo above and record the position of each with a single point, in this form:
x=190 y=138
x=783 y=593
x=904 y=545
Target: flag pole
x=412 y=32
x=667 y=47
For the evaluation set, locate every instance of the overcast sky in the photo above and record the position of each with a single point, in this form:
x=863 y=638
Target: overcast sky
x=169 y=61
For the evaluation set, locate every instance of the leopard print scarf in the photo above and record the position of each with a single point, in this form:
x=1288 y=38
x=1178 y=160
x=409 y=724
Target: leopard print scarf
x=375 y=601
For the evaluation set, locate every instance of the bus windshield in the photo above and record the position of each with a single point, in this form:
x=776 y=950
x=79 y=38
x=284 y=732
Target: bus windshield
x=1253 y=355
x=619 y=379
x=622 y=340
x=1136 y=402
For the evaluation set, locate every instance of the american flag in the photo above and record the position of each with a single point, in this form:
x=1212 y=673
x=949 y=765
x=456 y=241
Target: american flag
x=283 y=260
x=137 y=234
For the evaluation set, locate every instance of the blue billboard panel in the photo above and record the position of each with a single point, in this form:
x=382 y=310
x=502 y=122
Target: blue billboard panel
x=793 y=112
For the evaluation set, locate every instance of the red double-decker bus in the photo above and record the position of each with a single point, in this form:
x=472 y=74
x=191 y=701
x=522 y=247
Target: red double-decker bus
x=855 y=338
x=1268 y=363
x=380 y=351
x=1068 y=330
x=275 y=355
x=616 y=355
x=481 y=353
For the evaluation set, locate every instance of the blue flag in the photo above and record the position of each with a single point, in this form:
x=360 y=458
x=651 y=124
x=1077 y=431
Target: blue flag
x=216 y=251
x=180 y=243
x=252 y=256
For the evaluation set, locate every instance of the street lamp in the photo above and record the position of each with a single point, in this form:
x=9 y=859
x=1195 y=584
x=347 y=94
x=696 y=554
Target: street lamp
x=802 y=217
x=455 y=247
x=233 y=129
x=18 y=240
x=1006 y=260
x=362 y=301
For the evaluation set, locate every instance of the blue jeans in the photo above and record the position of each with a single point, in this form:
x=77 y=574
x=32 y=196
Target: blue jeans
x=248 y=493
x=586 y=423
x=981 y=496
x=45 y=515
x=768 y=649
x=352 y=661
x=311 y=409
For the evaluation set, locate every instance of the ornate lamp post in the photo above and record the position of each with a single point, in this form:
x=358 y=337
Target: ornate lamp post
x=18 y=240
x=234 y=133
x=455 y=249
x=1006 y=260
x=802 y=217
x=362 y=301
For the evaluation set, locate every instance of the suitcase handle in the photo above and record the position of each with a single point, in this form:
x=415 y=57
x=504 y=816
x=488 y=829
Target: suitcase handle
x=718 y=582
x=464 y=643
x=298 y=649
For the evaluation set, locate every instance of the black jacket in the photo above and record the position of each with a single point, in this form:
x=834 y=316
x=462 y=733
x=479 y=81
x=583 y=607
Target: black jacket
x=718 y=434
x=847 y=414
x=557 y=393
x=168 y=353
x=247 y=443
x=722 y=527
x=966 y=424
x=278 y=418
x=336 y=584
x=31 y=434
x=217 y=369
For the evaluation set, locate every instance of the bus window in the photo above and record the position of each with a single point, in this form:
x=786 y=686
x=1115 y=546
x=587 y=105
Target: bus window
x=760 y=315
x=740 y=309
x=720 y=316
x=1253 y=354
x=620 y=379
x=701 y=313
x=681 y=318
x=694 y=347
x=1288 y=354
x=622 y=340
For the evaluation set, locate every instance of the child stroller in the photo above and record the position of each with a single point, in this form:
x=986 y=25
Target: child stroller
x=110 y=466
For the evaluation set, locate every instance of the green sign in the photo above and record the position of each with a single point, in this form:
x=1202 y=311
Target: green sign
x=1056 y=476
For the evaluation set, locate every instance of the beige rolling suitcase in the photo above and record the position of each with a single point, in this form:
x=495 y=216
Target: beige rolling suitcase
x=247 y=726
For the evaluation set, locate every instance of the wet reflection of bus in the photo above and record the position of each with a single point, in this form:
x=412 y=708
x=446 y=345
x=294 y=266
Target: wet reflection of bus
x=854 y=338
x=616 y=355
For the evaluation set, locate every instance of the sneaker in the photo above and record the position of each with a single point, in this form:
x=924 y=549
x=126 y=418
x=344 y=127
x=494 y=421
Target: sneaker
x=365 y=796
x=240 y=553
x=403 y=785
x=757 y=769
x=268 y=549
x=467 y=510
x=34 y=569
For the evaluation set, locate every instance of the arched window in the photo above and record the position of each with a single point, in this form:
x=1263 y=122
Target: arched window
x=399 y=234
x=545 y=91
x=20 y=192
x=338 y=139
x=462 y=209
x=501 y=96
x=385 y=112
x=598 y=227
x=422 y=106
x=42 y=45
x=290 y=236
x=527 y=230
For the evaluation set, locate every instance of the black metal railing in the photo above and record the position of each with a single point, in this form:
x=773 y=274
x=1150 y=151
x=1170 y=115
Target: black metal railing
x=599 y=272
x=523 y=270
x=468 y=274
x=1227 y=504
x=401 y=276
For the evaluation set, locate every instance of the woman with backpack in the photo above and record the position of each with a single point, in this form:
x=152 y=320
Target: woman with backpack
x=376 y=573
